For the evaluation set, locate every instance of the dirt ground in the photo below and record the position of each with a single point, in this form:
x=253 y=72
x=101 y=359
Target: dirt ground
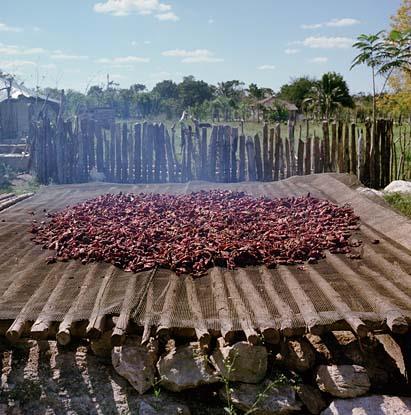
x=42 y=378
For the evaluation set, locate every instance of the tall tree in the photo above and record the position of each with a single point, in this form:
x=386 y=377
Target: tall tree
x=297 y=90
x=330 y=93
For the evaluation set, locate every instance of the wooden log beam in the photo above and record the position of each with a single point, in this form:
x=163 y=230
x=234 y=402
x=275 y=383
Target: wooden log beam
x=64 y=331
x=97 y=319
x=170 y=298
x=395 y=319
x=13 y=200
x=221 y=301
x=259 y=309
x=284 y=310
x=357 y=325
x=307 y=308
x=118 y=337
x=40 y=328
x=242 y=312
x=202 y=334
x=21 y=321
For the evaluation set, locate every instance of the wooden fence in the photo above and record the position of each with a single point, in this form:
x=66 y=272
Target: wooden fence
x=75 y=152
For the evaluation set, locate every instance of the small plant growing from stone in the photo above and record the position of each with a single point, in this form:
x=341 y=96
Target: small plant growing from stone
x=157 y=387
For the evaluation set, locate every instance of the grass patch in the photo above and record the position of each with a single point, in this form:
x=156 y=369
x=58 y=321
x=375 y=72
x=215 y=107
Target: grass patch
x=401 y=202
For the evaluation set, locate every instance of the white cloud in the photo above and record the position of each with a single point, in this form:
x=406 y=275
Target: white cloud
x=134 y=43
x=210 y=21
x=36 y=29
x=68 y=57
x=311 y=26
x=345 y=21
x=193 y=56
x=147 y=42
x=290 y=51
x=266 y=67
x=319 y=59
x=6 y=28
x=123 y=60
x=323 y=42
x=167 y=16
x=19 y=50
x=143 y=7
x=15 y=64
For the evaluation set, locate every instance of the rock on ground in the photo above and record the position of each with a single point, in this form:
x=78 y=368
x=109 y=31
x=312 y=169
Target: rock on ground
x=160 y=407
x=298 y=354
x=343 y=381
x=370 y=405
x=241 y=362
x=311 y=398
x=277 y=401
x=185 y=367
x=136 y=363
x=398 y=186
x=381 y=368
x=102 y=346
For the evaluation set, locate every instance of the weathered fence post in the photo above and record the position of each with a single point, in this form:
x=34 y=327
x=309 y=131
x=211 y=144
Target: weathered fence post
x=241 y=166
x=347 y=164
x=157 y=152
x=189 y=139
x=353 y=163
x=307 y=161
x=212 y=154
x=266 y=165
x=258 y=160
x=334 y=147
x=376 y=155
x=277 y=154
x=317 y=155
x=137 y=153
x=203 y=155
x=291 y=127
x=170 y=158
x=150 y=151
x=251 y=159
x=340 y=149
x=124 y=155
x=366 y=178
x=234 y=145
x=112 y=150
x=227 y=153
x=271 y=152
x=326 y=140
x=99 y=148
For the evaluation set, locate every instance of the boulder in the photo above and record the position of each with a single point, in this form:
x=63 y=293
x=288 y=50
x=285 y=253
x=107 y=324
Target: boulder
x=298 y=354
x=370 y=405
x=381 y=368
x=264 y=398
x=343 y=381
x=136 y=363
x=161 y=407
x=370 y=193
x=185 y=367
x=398 y=186
x=241 y=362
x=102 y=346
x=311 y=398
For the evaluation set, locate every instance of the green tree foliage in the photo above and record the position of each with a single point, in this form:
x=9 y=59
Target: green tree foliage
x=297 y=90
x=328 y=94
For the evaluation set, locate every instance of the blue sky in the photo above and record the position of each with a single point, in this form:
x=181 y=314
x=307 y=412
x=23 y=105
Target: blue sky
x=75 y=43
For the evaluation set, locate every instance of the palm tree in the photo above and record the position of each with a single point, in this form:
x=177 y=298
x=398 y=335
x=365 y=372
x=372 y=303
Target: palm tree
x=328 y=94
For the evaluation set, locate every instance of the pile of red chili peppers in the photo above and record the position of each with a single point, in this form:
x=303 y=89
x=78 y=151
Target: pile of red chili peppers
x=191 y=233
